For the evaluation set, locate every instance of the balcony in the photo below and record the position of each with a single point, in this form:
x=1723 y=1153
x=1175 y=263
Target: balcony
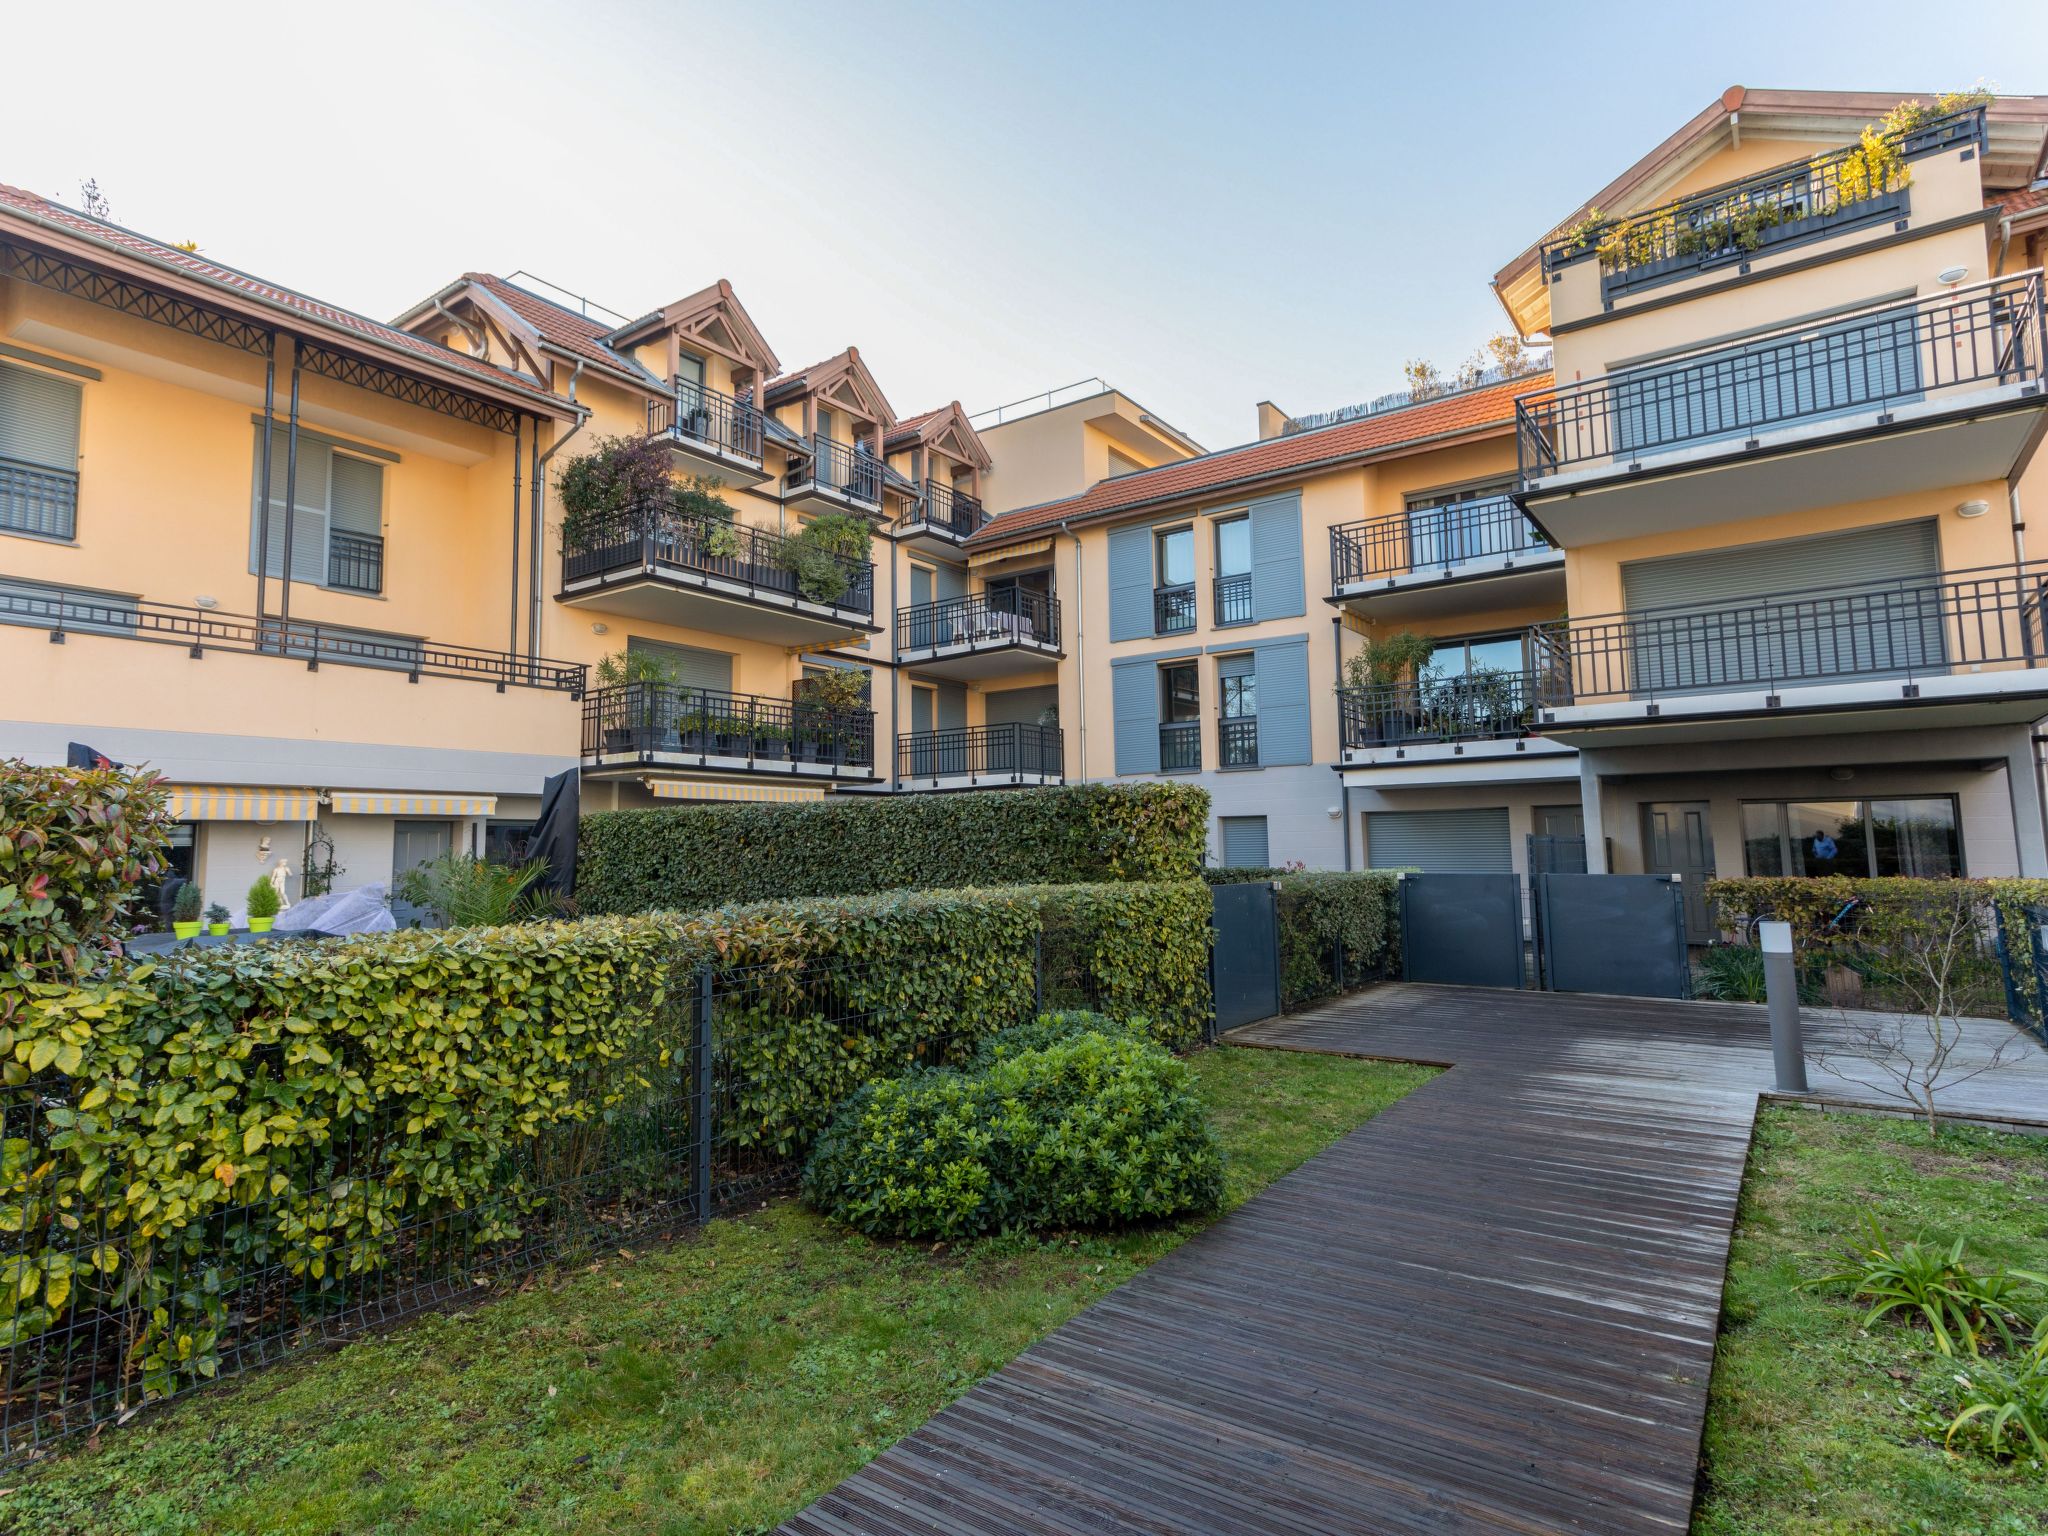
x=657 y=564
x=1957 y=649
x=1484 y=723
x=1173 y=609
x=1429 y=560
x=68 y=611
x=1237 y=741
x=980 y=636
x=835 y=478
x=1180 y=746
x=1914 y=396
x=981 y=757
x=38 y=500
x=710 y=434
x=642 y=725
x=355 y=562
x=1735 y=223
x=941 y=521
x=1232 y=599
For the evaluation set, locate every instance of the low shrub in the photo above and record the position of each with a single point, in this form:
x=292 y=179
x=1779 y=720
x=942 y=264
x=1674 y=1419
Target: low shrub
x=1933 y=1284
x=1056 y=1028
x=1730 y=973
x=1089 y=1130
x=700 y=856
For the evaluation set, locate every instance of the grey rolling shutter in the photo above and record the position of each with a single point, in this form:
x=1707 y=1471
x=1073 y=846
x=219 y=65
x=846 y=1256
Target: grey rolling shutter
x=952 y=706
x=1134 y=698
x=1022 y=706
x=39 y=433
x=690 y=666
x=920 y=586
x=1130 y=583
x=921 y=711
x=1278 y=586
x=1703 y=621
x=1244 y=841
x=1283 y=703
x=309 y=520
x=951 y=582
x=358 y=505
x=1237 y=666
x=1469 y=842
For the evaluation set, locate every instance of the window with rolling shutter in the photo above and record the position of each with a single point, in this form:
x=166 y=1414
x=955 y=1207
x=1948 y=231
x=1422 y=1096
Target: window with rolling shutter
x=688 y=666
x=1278 y=586
x=1462 y=842
x=1134 y=700
x=337 y=528
x=1244 y=841
x=39 y=453
x=1130 y=583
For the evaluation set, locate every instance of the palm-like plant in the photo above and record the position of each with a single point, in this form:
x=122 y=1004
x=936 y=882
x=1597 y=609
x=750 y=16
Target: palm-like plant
x=1934 y=1283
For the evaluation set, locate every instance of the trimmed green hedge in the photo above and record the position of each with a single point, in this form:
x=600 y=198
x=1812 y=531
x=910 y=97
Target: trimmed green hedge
x=1320 y=909
x=1087 y=1129
x=847 y=845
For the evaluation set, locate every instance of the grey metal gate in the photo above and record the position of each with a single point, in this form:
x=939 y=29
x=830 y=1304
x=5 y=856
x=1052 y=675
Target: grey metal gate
x=1556 y=855
x=1245 y=957
x=1623 y=934
x=1462 y=930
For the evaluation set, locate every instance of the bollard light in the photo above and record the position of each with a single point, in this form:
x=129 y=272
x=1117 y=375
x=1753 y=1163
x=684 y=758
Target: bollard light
x=1781 y=989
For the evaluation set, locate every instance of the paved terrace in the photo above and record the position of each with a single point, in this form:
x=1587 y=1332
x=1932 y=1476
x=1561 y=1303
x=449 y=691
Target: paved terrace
x=1492 y=1308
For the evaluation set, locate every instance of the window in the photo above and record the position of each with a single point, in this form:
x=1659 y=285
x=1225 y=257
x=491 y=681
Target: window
x=1176 y=549
x=1173 y=599
x=1237 y=733
x=1234 y=570
x=1120 y=465
x=39 y=453
x=1916 y=835
x=1180 y=718
x=337 y=524
x=689 y=377
x=1480 y=654
x=508 y=842
x=1244 y=841
x=1450 y=527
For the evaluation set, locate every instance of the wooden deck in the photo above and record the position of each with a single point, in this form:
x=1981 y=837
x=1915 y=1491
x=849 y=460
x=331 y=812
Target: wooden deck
x=1490 y=1309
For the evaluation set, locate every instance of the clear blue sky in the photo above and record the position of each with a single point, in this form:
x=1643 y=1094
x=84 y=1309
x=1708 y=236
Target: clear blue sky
x=1207 y=204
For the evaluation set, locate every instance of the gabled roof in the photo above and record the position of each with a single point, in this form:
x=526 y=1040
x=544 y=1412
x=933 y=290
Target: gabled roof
x=946 y=429
x=838 y=377
x=533 y=324
x=2017 y=130
x=1474 y=413
x=265 y=301
x=712 y=318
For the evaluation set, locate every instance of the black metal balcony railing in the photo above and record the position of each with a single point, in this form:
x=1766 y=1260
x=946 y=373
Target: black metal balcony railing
x=1237 y=741
x=766 y=563
x=63 y=611
x=1173 y=609
x=1180 y=746
x=1905 y=627
x=1010 y=750
x=854 y=473
x=1479 y=706
x=944 y=510
x=1984 y=336
x=669 y=720
x=37 y=499
x=1233 y=598
x=705 y=416
x=355 y=561
x=1431 y=540
x=983 y=621
x=1789 y=203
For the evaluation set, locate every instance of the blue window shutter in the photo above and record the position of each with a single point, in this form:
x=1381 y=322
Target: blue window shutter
x=1283 y=703
x=1279 y=590
x=1134 y=690
x=1130 y=583
x=1244 y=841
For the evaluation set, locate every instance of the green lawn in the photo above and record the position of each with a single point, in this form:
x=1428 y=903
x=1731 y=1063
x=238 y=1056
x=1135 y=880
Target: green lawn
x=712 y=1385
x=1817 y=1428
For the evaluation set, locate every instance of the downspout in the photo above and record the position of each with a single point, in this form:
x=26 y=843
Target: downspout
x=512 y=618
x=540 y=480
x=1080 y=651
x=1343 y=785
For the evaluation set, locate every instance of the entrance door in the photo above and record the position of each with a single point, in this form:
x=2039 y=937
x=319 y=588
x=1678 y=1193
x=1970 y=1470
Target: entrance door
x=1678 y=839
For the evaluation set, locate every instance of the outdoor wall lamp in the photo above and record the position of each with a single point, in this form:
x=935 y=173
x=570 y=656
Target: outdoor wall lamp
x=1972 y=508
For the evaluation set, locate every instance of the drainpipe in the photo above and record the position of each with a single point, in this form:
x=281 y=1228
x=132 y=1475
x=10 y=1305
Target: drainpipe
x=2019 y=527
x=1080 y=653
x=539 y=505
x=512 y=618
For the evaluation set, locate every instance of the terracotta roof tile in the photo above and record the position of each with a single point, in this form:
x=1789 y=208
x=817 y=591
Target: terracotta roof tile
x=909 y=425
x=563 y=327
x=1325 y=447
x=2022 y=200
x=188 y=264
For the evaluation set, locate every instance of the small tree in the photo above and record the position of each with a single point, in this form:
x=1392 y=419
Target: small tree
x=1424 y=378
x=1385 y=660
x=617 y=475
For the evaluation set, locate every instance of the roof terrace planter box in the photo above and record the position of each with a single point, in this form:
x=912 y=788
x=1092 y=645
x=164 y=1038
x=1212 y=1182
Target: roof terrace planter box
x=1885 y=207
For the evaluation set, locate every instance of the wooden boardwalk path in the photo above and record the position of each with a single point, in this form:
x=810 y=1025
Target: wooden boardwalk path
x=1490 y=1309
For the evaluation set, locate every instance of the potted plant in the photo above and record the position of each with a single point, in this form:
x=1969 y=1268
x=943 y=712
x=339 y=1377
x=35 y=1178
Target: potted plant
x=825 y=556
x=640 y=677
x=185 y=909
x=217 y=920
x=263 y=904
x=602 y=489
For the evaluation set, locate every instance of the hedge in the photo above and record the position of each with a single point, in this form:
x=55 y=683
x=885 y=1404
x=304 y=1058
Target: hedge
x=845 y=845
x=256 y=1137
x=1327 y=914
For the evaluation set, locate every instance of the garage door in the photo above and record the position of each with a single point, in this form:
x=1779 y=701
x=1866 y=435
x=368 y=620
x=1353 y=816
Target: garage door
x=1869 y=605
x=1465 y=842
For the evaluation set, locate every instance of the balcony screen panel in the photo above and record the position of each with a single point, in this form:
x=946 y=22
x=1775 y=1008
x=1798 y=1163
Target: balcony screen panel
x=1874 y=611
x=1463 y=842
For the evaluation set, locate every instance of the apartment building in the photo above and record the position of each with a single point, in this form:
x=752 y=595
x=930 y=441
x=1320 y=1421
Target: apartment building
x=1791 y=458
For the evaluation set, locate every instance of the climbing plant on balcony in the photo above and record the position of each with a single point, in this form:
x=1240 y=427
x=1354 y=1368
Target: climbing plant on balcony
x=618 y=473
x=825 y=553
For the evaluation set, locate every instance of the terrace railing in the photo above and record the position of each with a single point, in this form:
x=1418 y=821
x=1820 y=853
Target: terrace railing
x=1808 y=199
x=854 y=474
x=1173 y=609
x=1237 y=741
x=355 y=561
x=982 y=751
x=708 y=417
x=1980 y=337
x=1232 y=597
x=1905 y=627
x=766 y=563
x=672 y=720
x=1180 y=746
x=984 y=619
x=39 y=500
x=1480 y=706
x=1428 y=540
x=946 y=510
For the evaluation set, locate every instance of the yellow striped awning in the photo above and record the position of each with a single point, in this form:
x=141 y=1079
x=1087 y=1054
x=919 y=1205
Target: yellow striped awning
x=689 y=789
x=378 y=802
x=242 y=802
x=1009 y=552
